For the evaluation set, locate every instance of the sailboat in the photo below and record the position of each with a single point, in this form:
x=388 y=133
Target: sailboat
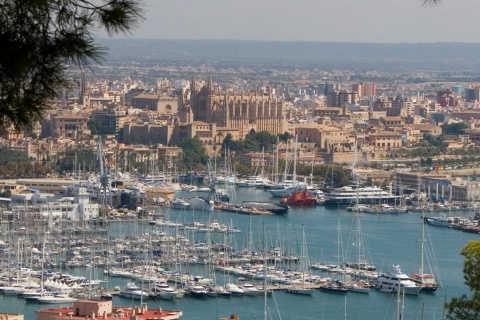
x=302 y=290
x=427 y=281
x=360 y=265
x=335 y=286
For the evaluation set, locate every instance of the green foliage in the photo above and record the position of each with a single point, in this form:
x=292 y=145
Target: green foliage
x=285 y=137
x=94 y=127
x=7 y=156
x=194 y=153
x=97 y=129
x=254 y=142
x=454 y=128
x=39 y=39
x=85 y=157
x=463 y=307
x=15 y=164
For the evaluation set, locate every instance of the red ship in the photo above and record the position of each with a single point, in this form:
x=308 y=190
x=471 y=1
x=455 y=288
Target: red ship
x=299 y=198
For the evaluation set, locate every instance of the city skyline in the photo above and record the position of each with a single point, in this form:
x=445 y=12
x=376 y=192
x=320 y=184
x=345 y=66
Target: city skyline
x=374 y=21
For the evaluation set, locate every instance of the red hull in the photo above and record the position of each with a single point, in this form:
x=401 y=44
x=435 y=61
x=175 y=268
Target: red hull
x=299 y=198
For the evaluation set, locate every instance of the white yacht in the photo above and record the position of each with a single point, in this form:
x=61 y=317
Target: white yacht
x=348 y=195
x=179 y=204
x=52 y=299
x=253 y=181
x=391 y=282
x=133 y=291
x=249 y=289
x=164 y=291
x=199 y=203
x=234 y=289
x=197 y=291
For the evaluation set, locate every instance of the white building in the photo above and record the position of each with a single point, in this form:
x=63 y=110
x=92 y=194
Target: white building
x=74 y=209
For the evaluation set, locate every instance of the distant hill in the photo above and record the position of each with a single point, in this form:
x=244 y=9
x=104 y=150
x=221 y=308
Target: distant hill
x=325 y=55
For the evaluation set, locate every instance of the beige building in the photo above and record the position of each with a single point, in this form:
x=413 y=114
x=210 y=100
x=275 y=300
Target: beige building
x=245 y=112
x=147 y=134
x=428 y=128
x=385 y=140
x=43 y=185
x=331 y=112
x=159 y=103
x=205 y=132
x=392 y=122
x=359 y=115
x=11 y=316
x=412 y=136
x=325 y=136
x=70 y=126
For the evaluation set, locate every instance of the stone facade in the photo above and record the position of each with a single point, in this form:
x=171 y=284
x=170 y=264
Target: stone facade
x=245 y=112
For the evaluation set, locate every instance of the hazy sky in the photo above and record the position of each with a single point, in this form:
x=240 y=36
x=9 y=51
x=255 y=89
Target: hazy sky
x=312 y=20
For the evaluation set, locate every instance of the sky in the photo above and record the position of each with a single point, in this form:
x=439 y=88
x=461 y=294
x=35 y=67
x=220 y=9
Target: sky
x=371 y=21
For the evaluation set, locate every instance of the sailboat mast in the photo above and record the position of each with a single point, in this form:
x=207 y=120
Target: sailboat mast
x=265 y=313
x=295 y=160
x=276 y=160
x=423 y=248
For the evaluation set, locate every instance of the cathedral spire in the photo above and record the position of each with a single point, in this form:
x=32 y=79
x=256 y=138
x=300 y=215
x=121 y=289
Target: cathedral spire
x=193 y=85
x=209 y=84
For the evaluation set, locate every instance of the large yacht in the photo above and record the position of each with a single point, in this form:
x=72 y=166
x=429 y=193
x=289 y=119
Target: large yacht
x=252 y=181
x=353 y=194
x=134 y=292
x=391 y=282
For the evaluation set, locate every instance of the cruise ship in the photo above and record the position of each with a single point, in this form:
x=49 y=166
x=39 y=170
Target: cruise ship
x=349 y=195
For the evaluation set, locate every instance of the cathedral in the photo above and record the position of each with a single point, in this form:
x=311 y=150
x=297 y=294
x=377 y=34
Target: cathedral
x=242 y=112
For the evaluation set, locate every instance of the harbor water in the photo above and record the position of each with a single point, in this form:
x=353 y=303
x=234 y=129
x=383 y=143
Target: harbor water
x=388 y=239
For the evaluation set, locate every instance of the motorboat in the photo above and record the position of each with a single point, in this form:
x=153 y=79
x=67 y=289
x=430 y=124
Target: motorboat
x=179 y=204
x=197 y=291
x=439 y=221
x=162 y=290
x=249 y=289
x=392 y=282
x=234 y=289
x=133 y=291
x=253 y=181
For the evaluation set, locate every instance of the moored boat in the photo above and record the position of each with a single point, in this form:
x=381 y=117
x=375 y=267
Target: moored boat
x=133 y=291
x=276 y=208
x=392 y=282
x=299 y=198
x=354 y=194
x=334 y=287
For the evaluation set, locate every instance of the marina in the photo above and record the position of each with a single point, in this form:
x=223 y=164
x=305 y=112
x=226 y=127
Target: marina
x=284 y=234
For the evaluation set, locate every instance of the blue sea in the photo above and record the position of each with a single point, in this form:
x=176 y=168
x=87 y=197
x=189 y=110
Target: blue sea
x=388 y=239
